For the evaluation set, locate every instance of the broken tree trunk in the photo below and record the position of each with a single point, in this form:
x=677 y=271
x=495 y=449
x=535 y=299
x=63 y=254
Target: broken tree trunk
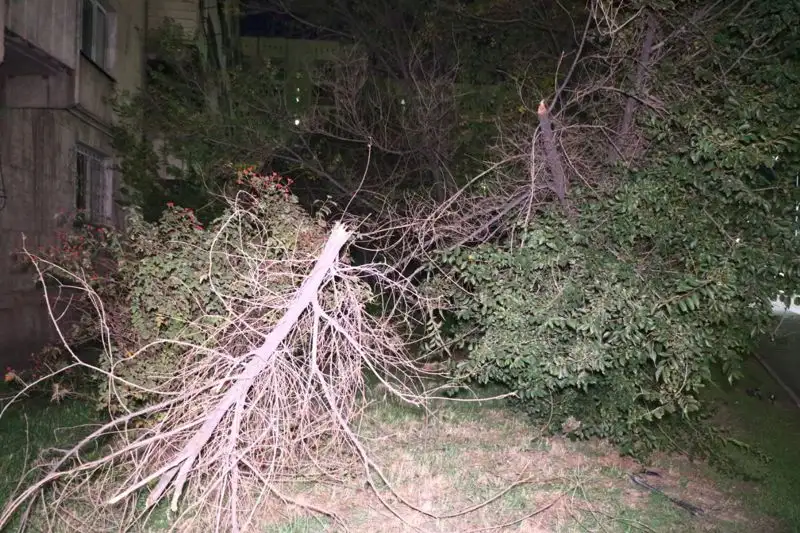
x=176 y=472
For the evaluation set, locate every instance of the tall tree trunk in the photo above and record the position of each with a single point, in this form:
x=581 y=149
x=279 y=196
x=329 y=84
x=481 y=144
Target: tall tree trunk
x=558 y=178
x=623 y=144
x=217 y=45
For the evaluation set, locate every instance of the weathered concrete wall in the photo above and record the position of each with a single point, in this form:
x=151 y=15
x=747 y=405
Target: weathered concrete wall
x=129 y=65
x=184 y=12
x=51 y=26
x=129 y=56
x=126 y=61
x=37 y=163
x=55 y=91
x=95 y=86
x=2 y=31
x=42 y=120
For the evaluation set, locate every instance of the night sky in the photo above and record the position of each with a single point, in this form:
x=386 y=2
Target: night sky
x=264 y=24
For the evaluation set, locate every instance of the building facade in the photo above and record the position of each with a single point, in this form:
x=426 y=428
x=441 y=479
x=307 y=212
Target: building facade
x=60 y=62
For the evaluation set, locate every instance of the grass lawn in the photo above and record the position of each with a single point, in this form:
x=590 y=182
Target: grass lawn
x=31 y=427
x=480 y=464
x=774 y=430
x=484 y=468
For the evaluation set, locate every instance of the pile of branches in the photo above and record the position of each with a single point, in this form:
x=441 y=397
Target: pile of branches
x=256 y=403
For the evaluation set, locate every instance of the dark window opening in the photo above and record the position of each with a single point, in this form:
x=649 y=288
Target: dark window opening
x=94 y=32
x=81 y=180
x=94 y=191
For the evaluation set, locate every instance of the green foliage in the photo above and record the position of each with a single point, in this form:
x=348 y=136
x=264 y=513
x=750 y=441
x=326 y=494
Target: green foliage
x=173 y=270
x=611 y=324
x=159 y=283
x=614 y=321
x=203 y=114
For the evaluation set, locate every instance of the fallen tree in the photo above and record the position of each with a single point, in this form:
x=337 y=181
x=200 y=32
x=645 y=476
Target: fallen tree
x=214 y=414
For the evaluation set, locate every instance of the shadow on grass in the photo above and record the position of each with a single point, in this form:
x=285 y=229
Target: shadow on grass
x=773 y=429
x=458 y=441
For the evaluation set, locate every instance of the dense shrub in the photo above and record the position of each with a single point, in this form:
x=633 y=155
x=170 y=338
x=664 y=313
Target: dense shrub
x=608 y=323
x=161 y=281
x=596 y=328
x=613 y=321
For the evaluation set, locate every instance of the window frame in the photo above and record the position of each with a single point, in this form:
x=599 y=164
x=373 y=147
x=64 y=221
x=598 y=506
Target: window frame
x=94 y=184
x=98 y=52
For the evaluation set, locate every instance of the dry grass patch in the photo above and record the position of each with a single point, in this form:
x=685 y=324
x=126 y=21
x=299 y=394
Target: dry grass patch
x=468 y=469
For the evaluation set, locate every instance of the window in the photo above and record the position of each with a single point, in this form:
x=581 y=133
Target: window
x=94 y=36
x=94 y=186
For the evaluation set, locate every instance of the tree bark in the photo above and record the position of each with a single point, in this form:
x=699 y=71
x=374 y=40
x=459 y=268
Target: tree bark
x=623 y=144
x=558 y=178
